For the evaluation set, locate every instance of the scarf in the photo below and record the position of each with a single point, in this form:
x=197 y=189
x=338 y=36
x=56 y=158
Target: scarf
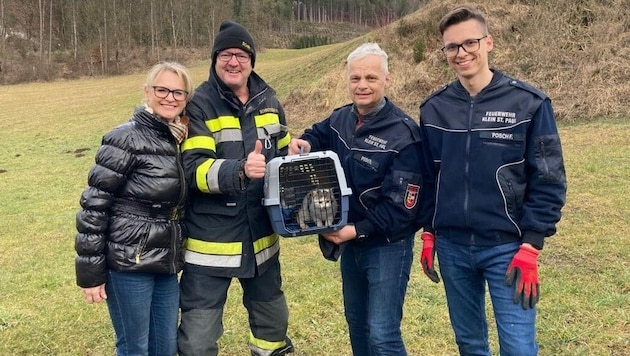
x=178 y=127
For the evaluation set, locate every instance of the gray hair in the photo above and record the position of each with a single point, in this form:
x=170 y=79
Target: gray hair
x=366 y=49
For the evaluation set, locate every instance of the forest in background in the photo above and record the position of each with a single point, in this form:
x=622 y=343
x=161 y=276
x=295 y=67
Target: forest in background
x=50 y=39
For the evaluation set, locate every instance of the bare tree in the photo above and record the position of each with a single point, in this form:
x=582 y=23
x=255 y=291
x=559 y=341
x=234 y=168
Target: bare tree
x=153 y=34
x=104 y=42
x=173 y=29
x=3 y=33
x=41 y=31
x=75 y=38
x=190 y=24
x=116 y=35
x=50 y=21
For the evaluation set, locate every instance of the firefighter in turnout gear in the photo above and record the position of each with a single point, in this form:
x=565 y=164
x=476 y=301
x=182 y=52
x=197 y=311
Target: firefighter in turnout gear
x=237 y=125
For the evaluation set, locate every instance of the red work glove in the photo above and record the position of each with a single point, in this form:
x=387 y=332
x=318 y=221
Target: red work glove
x=428 y=253
x=524 y=271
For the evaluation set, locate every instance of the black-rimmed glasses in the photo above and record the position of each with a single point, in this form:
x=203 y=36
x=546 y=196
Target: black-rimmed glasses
x=469 y=46
x=162 y=93
x=227 y=56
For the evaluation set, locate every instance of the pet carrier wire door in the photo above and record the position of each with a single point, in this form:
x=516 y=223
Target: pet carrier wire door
x=306 y=194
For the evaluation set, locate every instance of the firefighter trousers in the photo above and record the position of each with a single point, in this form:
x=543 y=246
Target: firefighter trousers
x=203 y=297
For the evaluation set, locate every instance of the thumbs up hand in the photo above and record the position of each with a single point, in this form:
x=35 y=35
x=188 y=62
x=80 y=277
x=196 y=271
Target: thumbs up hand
x=256 y=164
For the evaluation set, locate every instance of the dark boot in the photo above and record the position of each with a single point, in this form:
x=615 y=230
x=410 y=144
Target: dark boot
x=284 y=350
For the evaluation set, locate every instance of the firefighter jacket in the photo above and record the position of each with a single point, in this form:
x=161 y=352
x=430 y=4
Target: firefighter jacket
x=230 y=234
x=386 y=166
x=498 y=154
x=129 y=217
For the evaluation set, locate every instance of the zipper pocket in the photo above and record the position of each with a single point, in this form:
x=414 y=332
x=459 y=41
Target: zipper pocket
x=141 y=247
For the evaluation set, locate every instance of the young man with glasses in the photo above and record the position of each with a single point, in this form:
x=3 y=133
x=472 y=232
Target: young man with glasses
x=501 y=187
x=236 y=125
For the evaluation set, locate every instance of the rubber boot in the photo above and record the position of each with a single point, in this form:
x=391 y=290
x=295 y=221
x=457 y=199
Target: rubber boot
x=284 y=350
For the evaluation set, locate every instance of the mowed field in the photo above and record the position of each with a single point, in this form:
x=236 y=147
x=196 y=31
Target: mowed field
x=51 y=131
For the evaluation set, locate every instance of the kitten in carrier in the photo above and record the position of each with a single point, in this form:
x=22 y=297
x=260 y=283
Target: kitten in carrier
x=319 y=206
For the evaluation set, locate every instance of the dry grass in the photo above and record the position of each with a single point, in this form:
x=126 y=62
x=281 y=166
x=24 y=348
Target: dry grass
x=576 y=51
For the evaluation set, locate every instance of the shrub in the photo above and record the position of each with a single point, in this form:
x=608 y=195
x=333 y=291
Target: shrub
x=419 y=47
x=404 y=29
x=310 y=41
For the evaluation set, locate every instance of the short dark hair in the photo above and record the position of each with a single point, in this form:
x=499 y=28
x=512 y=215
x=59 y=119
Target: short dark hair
x=461 y=14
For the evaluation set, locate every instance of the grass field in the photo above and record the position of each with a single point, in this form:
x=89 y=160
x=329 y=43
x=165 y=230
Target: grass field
x=50 y=133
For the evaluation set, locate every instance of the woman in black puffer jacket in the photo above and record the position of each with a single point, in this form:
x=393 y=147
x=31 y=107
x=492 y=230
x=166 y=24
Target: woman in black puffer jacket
x=129 y=231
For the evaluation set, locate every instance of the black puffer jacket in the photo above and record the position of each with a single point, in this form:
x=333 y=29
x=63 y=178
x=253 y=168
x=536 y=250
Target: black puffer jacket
x=129 y=221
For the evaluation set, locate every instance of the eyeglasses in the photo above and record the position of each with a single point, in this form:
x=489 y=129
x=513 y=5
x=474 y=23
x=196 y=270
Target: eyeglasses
x=227 y=56
x=469 y=46
x=162 y=93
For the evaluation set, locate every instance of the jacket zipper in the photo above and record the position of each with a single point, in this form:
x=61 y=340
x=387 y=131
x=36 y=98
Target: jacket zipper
x=176 y=215
x=141 y=246
x=543 y=155
x=467 y=167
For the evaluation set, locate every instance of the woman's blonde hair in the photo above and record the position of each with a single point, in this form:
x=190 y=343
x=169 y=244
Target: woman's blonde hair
x=174 y=67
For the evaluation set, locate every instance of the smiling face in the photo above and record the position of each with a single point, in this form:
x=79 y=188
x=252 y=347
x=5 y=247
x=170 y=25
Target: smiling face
x=367 y=82
x=167 y=108
x=468 y=66
x=232 y=72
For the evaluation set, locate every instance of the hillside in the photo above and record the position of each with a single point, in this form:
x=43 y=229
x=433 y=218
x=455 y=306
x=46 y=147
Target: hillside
x=576 y=51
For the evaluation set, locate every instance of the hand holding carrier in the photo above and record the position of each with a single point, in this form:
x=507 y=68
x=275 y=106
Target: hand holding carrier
x=306 y=194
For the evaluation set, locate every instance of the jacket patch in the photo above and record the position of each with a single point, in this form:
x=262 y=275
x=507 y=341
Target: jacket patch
x=506 y=117
x=411 y=195
x=376 y=141
x=366 y=161
x=502 y=136
x=268 y=111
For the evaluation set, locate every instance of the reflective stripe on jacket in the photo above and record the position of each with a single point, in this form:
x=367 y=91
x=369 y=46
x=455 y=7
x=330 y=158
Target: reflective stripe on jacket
x=228 y=254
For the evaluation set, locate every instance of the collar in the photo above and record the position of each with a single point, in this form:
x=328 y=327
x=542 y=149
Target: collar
x=496 y=77
x=372 y=113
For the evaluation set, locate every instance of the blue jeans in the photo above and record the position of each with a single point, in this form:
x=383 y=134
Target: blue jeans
x=144 y=309
x=374 y=282
x=465 y=271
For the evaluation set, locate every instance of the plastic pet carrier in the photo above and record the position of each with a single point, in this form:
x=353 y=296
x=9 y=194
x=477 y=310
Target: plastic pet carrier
x=306 y=194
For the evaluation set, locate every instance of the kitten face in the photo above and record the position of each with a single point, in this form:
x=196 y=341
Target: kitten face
x=322 y=198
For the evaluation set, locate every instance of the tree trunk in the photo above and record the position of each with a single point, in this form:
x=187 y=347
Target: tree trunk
x=173 y=29
x=50 y=18
x=75 y=37
x=190 y=24
x=100 y=50
x=152 y=24
x=116 y=37
x=41 y=31
x=3 y=33
x=104 y=42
